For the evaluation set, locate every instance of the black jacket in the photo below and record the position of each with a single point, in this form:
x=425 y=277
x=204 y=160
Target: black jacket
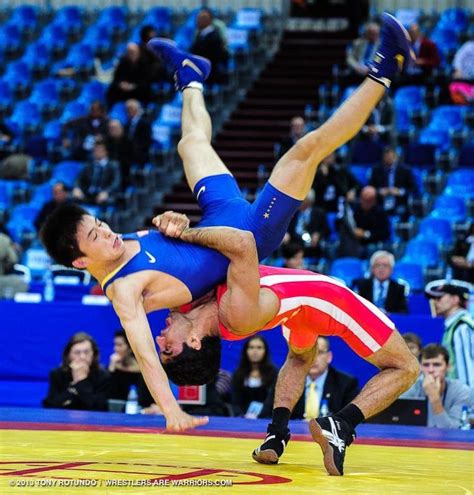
x=90 y=394
x=395 y=301
x=337 y=183
x=138 y=141
x=339 y=389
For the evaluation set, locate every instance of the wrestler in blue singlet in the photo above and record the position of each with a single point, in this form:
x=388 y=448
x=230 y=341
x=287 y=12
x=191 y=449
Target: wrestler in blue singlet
x=221 y=201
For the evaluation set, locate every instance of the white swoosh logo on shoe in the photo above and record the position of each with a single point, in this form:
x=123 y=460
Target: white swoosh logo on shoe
x=151 y=258
x=201 y=190
x=192 y=65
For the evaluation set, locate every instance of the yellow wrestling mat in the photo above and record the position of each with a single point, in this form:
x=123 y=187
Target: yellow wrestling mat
x=84 y=462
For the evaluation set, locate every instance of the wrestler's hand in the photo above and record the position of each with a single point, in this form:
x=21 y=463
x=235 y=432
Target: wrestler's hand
x=178 y=421
x=171 y=224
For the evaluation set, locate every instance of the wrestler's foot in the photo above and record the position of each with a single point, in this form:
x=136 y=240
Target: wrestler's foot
x=333 y=436
x=188 y=70
x=273 y=446
x=394 y=53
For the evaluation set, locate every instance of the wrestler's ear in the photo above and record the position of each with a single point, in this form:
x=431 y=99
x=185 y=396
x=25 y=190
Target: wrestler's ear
x=194 y=341
x=80 y=263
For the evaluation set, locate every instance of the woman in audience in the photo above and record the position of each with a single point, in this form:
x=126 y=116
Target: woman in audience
x=80 y=382
x=253 y=379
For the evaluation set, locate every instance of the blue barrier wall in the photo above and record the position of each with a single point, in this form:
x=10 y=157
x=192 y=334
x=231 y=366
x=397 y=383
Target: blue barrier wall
x=32 y=338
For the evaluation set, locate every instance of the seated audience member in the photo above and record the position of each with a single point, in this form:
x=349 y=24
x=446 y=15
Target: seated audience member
x=395 y=184
x=413 y=341
x=80 y=382
x=380 y=123
x=450 y=301
x=323 y=382
x=362 y=50
x=138 y=133
x=293 y=256
x=254 y=378
x=99 y=180
x=15 y=166
x=364 y=227
x=60 y=196
x=462 y=257
x=380 y=288
x=210 y=43
x=446 y=396
x=297 y=131
x=133 y=77
x=309 y=225
x=334 y=183
x=115 y=141
x=79 y=135
x=426 y=51
x=462 y=89
x=155 y=70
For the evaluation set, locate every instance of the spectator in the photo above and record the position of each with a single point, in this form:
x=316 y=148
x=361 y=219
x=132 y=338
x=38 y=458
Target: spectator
x=413 y=341
x=254 y=378
x=380 y=288
x=365 y=227
x=156 y=70
x=297 y=131
x=79 y=135
x=293 y=256
x=427 y=55
x=116 y=141
x=124 y=372
x=462 y=257
x=450 y=301
x=15 y=166
x=132 y=78
x=99 y=180
x=324 y=382
x=446 y=396
x=6 y=137
x=80 y=382
x=333 y=184
x=362 y=50
x=309 y=225
x=380 y=123
x=462 y=89
x=10 y=283
x=394 y=183
x=210 y=43
x=138 y=133
x=60 y=196
x=8 y=254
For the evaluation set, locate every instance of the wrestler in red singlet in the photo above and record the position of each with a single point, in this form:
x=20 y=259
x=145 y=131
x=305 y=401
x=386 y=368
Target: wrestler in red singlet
x=312 y=304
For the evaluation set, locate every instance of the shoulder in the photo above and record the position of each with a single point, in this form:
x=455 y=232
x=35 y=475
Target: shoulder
x=458 y=389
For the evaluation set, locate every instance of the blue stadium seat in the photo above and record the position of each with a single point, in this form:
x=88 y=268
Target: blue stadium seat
x=436 y=229
x=92 y=91
x=446 y=39
x=42 y=194
x=412 y=273
x=450 y=207
x=21 y=223
x=80 y=58
x=54 y=37
x=461 y=183
x=238 y=40
x=466 y=155
x=70 y=17
x=422 y=252
x=98 y=40
x=25 y=118
x=184 y=36
x=170 y=115
x=347 y=269
x=438 y=137
x=249 y=18
x=25 y=17
x=73 y=110
x=46 y=97
x=408 y=16
x=113 y=20
x=159 y=18
x=455 y=18
x=10 y=40
x=367 y=152
x=361 y=173
x=412 y=97
x=6 y=97
x=18 y=76
x=449 y=117
x=38 y=57
x=119 y=112
x=67 y=172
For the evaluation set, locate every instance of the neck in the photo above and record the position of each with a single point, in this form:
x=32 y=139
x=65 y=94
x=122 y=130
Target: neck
x=100 y=270
x=453 y=311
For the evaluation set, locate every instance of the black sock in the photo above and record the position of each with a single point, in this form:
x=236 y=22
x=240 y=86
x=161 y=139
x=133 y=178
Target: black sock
x=280 y=418
x=351 y=414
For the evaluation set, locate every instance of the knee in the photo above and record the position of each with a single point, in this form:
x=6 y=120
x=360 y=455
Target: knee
x=188 y=143
x=412 y=371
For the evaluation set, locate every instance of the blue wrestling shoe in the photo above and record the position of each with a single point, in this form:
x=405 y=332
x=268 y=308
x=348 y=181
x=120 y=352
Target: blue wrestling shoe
x=333 y=436
x=187 y=68
x=273 y=446
x=394 y=53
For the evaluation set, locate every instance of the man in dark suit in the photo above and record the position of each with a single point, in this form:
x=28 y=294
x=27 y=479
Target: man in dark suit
x=99 y=180
x=325 y=386
x=395 y=184
x=60 y=196
x=297 y=131
x=384 y=292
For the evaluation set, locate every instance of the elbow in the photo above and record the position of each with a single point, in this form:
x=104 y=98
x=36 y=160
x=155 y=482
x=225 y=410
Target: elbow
x=244 y=242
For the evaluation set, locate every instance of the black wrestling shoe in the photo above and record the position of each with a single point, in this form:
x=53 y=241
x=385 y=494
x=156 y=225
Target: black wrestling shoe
x=273 y=446
x=333 y=436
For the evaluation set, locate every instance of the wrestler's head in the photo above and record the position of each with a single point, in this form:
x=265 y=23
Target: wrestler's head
x=76 y=239
x=190 y=345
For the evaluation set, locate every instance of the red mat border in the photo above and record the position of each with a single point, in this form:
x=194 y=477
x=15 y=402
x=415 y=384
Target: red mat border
x=388 y=442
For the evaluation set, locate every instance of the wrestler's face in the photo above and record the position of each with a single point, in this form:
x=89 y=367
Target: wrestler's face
x=98 y=242
x=172 y=338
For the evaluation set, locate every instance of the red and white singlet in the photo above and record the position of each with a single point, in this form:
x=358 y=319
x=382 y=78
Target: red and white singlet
x=312 y=304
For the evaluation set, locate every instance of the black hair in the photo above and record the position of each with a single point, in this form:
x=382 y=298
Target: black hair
x=431 y=351
x=196 y=367
x=291 y=249
x=145 y=33
x=59 y=231
x=265 y=366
